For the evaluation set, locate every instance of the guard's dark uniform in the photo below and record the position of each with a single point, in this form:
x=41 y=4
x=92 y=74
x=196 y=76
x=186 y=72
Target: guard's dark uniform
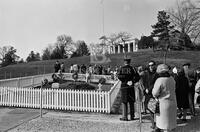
x=127 y=73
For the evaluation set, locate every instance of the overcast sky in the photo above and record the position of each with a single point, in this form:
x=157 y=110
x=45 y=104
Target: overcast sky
x=33 y=24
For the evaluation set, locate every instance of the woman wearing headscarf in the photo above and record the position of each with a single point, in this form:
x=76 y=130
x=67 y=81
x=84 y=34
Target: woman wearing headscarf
x=164 y=91
x=144 y=84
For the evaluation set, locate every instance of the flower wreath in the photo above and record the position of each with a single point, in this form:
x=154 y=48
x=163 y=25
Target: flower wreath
x=102 y=80
x=75 y=75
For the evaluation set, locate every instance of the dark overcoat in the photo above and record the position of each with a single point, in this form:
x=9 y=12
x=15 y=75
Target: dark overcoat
x=127 y=73
x=182 y=91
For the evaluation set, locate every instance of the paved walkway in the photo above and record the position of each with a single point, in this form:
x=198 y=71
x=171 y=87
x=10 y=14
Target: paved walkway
x=28 y=120
x=12 y=117
x=76 y=122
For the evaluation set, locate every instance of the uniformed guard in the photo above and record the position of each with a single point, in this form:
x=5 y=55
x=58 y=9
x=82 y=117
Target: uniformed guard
x=128 y=76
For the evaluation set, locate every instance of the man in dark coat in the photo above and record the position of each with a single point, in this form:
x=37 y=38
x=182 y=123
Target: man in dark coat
x=128 y=76
x=182 y=93
x=192 y=82
x=83 y=69
x=152 y=76
x=57 y=66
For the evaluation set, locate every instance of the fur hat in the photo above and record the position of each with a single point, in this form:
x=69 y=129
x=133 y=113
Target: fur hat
x=186 y=64
x=127 y=58
x=141 y=68
x=162 y=68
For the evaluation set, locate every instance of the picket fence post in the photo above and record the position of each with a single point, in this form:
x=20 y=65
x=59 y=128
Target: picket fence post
x=41 y=101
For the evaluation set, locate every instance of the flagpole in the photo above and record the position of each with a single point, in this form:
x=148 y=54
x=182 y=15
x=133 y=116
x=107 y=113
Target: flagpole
x=102 y=2
x=103 y=42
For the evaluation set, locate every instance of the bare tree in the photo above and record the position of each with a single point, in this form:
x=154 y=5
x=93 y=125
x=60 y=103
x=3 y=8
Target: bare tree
x=123 y=37
x=95 y=49
x=186 y=19
x=104 y=43
x=3 y=51
x=112 y=39
x=65 y=45
x=8 y=55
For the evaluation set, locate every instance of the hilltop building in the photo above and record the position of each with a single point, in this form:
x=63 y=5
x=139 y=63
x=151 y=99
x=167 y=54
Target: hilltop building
x=129 y=46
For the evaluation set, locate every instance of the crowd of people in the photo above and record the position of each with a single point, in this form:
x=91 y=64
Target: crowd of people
x=94 y=69
x=88 y=70
x=83 y=69
x=59 y=67
x=174 y=89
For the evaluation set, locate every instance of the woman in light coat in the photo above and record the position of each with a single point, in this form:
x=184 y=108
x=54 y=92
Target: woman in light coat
x=197 y=90
x=164 y=91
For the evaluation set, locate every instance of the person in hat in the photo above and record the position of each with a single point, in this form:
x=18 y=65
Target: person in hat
x=152 y=76
x=144 y=76
x=57 y=66
x=128 y=76
x=182 y=92
x=197 y=74
x=190 y=75
x=186 y=67
x=164 y=91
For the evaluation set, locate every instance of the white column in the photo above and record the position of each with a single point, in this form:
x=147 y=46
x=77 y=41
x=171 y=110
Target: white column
x=109 y=47
x=136 y=47
x=129 y=47
x=114 y=49
x=123 y=48
x=118 y=48
x=133 y=46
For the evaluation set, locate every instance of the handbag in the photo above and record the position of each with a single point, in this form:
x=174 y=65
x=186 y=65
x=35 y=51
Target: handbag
x=154 y=106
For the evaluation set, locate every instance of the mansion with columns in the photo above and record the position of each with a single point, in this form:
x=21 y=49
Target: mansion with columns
x=129 y=46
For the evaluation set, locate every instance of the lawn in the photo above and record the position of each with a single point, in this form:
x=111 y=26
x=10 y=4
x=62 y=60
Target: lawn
x=138 y=58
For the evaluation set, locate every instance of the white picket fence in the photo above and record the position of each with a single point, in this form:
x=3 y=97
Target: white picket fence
x=62 y=99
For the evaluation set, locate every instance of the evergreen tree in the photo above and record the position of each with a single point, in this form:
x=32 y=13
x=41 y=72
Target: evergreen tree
x=82 y=49
x=162 y=29
x=146 y=42
x=46 y=54
x=33 y=57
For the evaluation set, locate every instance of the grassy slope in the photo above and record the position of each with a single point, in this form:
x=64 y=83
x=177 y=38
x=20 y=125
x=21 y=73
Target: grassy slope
x=138 y=58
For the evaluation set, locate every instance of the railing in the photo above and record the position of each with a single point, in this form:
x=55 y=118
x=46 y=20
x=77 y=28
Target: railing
x=113 y=92
x=36 y=80
x=63 y=99
x=29 y=81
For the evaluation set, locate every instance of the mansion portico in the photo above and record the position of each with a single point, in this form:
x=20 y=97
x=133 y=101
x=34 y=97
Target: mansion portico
x=130 y=46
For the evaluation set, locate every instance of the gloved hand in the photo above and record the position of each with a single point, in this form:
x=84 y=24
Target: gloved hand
x=129 y=83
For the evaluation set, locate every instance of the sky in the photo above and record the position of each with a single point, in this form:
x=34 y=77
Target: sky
x=31 y=25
